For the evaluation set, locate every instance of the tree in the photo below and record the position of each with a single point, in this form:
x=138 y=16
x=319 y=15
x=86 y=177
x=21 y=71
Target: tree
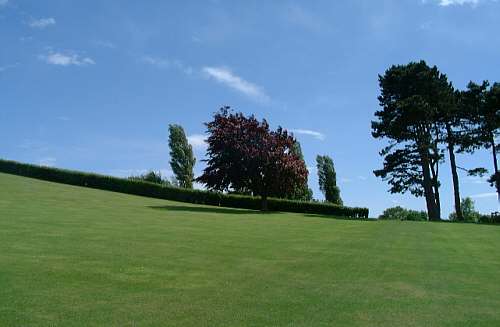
x=483 y=111
x=301 y=192
x=469 y=212
x=328 y=179
x=182 y=159
x=452 y=120
x=244 y=154
x=152 y=177
x=400 y=213
x=411 y=98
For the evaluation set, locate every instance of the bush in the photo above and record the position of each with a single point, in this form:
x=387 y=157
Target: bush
x=152 y=177
x=468 y=211
x=400 y=213
x=494 y=218
x=167 y=192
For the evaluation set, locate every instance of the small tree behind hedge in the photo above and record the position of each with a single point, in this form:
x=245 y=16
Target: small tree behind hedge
x=152 y=177
x=400 y=213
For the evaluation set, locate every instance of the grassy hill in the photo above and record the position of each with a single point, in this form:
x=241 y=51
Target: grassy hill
x=73 y=256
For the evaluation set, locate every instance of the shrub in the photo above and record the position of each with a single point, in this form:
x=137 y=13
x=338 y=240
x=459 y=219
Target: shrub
x=400 y=213
x=493 y=218
x=167 y=192
x=152 y=177
x=468 y=211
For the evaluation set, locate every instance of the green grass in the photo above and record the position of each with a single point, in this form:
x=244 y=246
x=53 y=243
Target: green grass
x=72 y=256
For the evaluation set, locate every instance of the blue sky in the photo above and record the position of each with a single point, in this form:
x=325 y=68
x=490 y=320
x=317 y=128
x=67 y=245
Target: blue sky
x=93 y=85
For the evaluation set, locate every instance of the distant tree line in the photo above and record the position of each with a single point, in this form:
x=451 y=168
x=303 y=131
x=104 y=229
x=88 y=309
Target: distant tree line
x=423 y=116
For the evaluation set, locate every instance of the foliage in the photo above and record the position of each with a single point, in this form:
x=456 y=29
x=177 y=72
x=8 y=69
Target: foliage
x=481 y=105
x=468 y=211
x=411 y=97
x=328 y=179
x=301 y=192
x=181 y=156
x=244 y=154
x=152 y=177
x=493 y=218
x=152 y=190
x=400 y=213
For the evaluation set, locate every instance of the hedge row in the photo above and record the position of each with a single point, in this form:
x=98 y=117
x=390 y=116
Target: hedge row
x=122 y=185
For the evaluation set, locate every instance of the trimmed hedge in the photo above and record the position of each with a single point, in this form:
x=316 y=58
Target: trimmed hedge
x=122 y=185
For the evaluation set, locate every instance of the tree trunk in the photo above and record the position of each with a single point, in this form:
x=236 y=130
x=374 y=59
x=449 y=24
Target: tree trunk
x=428 y=189
x=264 y=206
x=435 y=188
x=454 y=174
x=495 y=164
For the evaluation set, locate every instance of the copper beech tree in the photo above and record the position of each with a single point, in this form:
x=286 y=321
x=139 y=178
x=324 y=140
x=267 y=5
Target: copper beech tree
x=245 y=156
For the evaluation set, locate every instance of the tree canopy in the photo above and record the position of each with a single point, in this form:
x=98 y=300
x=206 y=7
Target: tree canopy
x=411 y=98
x=245 y=154
x=328 y=179
x=182 y=159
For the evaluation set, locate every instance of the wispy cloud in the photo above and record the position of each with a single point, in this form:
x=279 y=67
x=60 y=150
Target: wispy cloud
x=104 y=44
x=197 y=141
x=47 y=161
x=448 y=3
x=315 y=134
x=66 y=59
x=345 y=180
x=484 y=195
x=228 y=78
x=42 y=22
x=7 y=67
x=166 y=63
x=299 y=16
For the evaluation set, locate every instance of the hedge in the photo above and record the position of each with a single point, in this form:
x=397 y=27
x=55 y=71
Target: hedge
x=128 y=186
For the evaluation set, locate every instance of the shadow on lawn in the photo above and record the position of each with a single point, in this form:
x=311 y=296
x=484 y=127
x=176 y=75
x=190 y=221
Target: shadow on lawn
x=206 y=209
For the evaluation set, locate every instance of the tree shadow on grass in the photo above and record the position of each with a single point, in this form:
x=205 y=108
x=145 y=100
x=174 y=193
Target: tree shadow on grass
x=207 y=209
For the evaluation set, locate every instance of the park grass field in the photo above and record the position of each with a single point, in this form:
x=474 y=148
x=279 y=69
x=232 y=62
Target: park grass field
x=73 y=256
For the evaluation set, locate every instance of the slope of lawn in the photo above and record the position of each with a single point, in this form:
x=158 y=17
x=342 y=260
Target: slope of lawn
x=73 y=256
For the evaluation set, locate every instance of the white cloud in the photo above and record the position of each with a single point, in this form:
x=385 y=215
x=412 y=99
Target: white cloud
x=104 y=44
x=229 y=79
x=66 y=59
x=345 y=180
x=166 y=63
x=7 y=67
x=447 y=3
x=42 y=22
x=484 y=195
x=197 y=141
x=47 y=161
x=315 y=134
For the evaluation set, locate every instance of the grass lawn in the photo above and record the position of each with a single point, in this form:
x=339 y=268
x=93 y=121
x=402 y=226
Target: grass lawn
x=73 y=256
